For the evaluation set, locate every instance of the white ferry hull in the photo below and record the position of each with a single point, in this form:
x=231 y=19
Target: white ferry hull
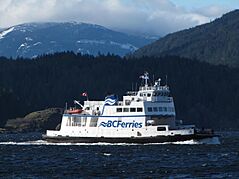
x=138 y=140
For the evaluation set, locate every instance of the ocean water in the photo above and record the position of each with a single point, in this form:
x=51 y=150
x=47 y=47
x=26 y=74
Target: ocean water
x=27 y=156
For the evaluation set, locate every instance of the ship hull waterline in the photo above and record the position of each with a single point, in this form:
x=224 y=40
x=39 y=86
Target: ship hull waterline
x=137 y=140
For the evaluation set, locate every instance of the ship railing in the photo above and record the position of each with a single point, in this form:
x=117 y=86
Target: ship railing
x=132 y=93
x=156 y=99
x=90 y=103
x=186 y=126
x=161 y=88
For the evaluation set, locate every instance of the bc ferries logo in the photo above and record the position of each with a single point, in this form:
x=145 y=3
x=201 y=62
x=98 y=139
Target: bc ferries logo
x=121 y=124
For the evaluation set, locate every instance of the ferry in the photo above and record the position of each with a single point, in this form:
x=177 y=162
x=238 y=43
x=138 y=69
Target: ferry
x=143 y=116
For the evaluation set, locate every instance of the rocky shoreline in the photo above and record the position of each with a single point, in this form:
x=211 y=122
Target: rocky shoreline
x=38 y=121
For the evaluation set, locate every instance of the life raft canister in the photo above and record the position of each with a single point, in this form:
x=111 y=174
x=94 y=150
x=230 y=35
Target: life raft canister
x=74 y=111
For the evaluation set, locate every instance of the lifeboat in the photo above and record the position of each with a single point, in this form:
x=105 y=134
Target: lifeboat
x=74 y=111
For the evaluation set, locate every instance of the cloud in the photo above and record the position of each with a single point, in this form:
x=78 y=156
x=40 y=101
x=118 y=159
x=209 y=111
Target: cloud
x=212 y=11
x=157 y=17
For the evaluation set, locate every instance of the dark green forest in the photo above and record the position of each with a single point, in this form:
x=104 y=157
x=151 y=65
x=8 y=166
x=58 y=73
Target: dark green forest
x=204 y=94
x=216 y=42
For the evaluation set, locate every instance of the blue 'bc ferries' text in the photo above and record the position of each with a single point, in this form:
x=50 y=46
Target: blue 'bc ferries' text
x=121 y=124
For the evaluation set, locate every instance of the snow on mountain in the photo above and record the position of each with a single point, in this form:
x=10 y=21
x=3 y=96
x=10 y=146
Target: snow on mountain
x=32 y=39
x=5 y=32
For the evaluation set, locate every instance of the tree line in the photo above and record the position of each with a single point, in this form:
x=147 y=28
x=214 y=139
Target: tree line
x=204 y=94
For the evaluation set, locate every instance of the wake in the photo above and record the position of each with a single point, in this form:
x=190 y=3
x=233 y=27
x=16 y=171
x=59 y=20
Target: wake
x=211 y=141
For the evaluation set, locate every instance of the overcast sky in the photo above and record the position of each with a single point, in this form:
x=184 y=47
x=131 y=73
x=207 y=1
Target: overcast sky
x=154 y=17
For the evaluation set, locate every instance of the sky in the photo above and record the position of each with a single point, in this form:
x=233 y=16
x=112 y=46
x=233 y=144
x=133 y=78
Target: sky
x=148 y=17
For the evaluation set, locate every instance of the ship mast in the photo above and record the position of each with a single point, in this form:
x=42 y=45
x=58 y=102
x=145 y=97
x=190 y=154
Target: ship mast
x=145 y=77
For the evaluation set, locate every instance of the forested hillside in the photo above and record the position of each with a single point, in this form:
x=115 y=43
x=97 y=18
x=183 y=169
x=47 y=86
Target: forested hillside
x=204 y=94
x=216 y=42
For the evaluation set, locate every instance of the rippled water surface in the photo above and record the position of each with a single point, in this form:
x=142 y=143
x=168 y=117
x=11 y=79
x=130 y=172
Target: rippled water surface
x=27 y=156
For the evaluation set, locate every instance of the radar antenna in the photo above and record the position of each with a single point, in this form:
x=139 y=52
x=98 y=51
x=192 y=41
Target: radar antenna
x=145 y=77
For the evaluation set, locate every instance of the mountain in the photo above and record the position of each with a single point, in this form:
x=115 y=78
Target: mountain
x=216 y=42
x=33 y=39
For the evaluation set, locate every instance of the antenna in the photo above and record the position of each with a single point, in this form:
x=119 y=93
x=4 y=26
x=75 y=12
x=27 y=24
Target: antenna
x=166 y=79
x=146 y=78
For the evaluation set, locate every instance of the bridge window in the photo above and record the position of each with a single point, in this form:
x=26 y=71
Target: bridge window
x=139 y=109
x=118 y=109
x=155 y=109
x=165 y=108
x=132 y=109
x=160 y=109
x=150 y=109
x=126 y=109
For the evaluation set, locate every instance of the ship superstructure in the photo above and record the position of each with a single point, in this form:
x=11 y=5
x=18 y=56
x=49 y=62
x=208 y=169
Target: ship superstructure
x=143 y=116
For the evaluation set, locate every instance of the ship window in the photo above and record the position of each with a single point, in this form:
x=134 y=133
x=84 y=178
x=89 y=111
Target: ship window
x=93 y=122
x=156 y=94
x=141 y=94
x=164 y=108
x=83 y=121
x=77 y=121
x=160 y=109
x=145 y=94
x=161 y=128
x=155 y=109
x=68 y=121
x=139 y=109
x=150 y=109
x=127 y=102
x=149 y=94
x=118 y=109
x=126 y=109
x=132 y=109
x=170 y=109
x=157 y=120
x=73 y=121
